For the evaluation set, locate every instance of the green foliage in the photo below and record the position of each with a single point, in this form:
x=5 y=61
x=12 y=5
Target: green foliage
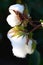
x=36 y=5
x=34 y=44
x=30 y=35
x=34 y=58
x=38 y=35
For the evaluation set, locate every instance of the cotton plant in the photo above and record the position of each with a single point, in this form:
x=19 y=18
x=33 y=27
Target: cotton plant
x=21 y=43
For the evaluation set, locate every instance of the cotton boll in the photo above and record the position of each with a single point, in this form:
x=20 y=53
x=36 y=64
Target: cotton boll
x=16 y=7
x=18 y=45
x=19 y=52
x=13 y=20
x=42 y=24
x=18 y=41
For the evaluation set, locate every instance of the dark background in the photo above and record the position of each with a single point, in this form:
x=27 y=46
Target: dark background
x=36 y=12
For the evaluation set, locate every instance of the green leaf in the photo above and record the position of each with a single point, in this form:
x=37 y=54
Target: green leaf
x=30 y=35
x=34 y=58
x=34 y=44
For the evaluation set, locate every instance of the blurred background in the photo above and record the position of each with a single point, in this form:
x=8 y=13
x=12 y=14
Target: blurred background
x=36 y=12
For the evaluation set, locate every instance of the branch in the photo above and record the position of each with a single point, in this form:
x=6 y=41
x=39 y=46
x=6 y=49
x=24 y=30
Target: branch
x=36 y=28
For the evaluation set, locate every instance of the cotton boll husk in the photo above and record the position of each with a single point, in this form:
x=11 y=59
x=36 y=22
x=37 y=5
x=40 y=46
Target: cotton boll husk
x=16 y=7
x=12 y=20
x=29 y=49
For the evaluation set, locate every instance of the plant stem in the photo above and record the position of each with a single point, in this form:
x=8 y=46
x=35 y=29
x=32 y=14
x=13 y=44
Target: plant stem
x=31 y=23
x=36 y=28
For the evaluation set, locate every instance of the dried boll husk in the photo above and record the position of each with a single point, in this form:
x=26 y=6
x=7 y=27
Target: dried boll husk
x=31 y=46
